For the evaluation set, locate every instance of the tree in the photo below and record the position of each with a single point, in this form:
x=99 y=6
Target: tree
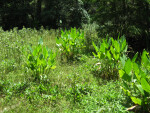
x=125 y=17
x=63 y=13
x=37 y=13
x=14 y=13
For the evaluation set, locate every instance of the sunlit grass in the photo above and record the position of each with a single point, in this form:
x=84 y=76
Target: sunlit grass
x=56 y=95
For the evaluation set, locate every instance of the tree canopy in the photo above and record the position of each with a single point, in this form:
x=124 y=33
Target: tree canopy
x=114 y=17
x=36 y=13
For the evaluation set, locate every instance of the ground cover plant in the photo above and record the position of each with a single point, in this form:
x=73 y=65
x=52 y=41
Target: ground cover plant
x=62 y=87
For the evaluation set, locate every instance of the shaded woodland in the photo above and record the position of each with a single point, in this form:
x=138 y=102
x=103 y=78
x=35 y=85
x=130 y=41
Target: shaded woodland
x=114 y=17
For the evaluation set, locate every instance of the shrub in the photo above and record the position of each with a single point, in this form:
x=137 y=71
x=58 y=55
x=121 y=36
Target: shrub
x=71 y=43
x=40 y=60
x=110 y=54
x=136 y=79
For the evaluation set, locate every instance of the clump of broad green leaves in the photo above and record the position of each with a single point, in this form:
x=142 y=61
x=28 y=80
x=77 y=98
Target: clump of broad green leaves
x=109 y=54
x=71 y=43
x=40 y=60
x=136 y=79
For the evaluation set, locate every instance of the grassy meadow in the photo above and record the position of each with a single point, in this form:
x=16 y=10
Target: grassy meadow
x=62 y=84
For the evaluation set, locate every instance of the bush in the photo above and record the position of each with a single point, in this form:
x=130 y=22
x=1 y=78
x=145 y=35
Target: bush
x=136 y=79
x=71 y=43
x=40 y=60
x=110 y=54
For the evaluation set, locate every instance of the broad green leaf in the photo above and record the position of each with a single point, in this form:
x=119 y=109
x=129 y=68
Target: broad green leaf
x=109 y=55
x=94 y=54
x=135 y=57
x=125 y=85
x=123 y=60
x=128 y=67
x=140 y=89
x=126 y=77
x=44 y=62
x=53 y=67
x=30 y=58
x=142 y=74
x=112 y=40
x=121 y=73
x=49 y=62
x=123 y=45
x=57 y=41
x=145 y=85
x=138 y=76
x=117 y=56
x=41 y=56
x=99 y=55
x=102 y=48
x=109 y=42
x=45 y=52
x=39 y=62
x=136 y=100
x=136 y=68
x=38 y=48
x=126 y=48
x=106 y=45
x=35 y=52
x=112 y=50
x=95 y=47
x=117 y=46
x=136 y=71
x=144 y=59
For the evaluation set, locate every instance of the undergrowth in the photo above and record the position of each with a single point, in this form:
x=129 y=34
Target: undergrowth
x=61 y=86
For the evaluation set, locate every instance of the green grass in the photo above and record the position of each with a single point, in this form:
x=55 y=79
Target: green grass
x=71 y=87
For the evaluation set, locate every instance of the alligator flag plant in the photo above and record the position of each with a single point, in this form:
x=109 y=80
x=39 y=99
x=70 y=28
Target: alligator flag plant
x=110 y=53
x=40 y=60
x=136 y=80
x=71 y=43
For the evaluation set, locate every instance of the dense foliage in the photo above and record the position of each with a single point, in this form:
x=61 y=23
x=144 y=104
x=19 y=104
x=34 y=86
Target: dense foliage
x=125 y=17
x=33 y=75
x=37 y=35
x=40 y=60
x=71 y=43
x=136 y=79
x=110 y=54
x=35 y=13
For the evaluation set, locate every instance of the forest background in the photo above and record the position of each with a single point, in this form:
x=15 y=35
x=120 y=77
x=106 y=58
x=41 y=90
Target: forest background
x=114 y=17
